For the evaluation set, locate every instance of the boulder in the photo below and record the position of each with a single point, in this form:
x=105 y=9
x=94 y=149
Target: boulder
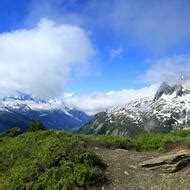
x=168 y=163
x=12 y=132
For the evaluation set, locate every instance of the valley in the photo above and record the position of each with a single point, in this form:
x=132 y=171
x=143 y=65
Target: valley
x=18 y=111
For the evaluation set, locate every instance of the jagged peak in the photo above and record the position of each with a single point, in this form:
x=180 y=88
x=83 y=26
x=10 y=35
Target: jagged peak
x=169 y=89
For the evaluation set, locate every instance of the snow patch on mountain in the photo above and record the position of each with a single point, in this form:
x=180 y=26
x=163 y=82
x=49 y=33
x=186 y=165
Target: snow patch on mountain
x=53 y=113
x=169 y=109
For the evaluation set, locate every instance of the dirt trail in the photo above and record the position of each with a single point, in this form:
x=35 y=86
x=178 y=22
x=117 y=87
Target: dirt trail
x=124 y=172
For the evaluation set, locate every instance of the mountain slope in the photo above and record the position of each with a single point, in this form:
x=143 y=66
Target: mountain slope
x=168 y=110
x=18 y=111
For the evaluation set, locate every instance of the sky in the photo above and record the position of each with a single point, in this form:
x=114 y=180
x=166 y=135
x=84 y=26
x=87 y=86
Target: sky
x=94 y=54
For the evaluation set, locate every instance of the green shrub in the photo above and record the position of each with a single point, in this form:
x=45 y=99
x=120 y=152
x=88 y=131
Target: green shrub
x=36 y=125
x=47 y=160
x=152 y=142
x=145 y=142
x=181 y=133
x=111 y=141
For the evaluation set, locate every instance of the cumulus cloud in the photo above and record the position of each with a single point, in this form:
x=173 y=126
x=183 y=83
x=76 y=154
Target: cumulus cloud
x=174 y=69
x=96 y=102
x=39 y=60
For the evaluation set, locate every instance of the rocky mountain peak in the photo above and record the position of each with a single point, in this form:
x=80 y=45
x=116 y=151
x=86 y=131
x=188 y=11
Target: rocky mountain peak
x=169 y=110
x=167 y=89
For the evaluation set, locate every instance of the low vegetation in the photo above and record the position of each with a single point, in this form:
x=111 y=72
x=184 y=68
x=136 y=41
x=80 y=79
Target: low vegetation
x=109 y=141
x=47 y=160
x=160 y=142
x=50 y=159
x=36 y=125
x=146 y=142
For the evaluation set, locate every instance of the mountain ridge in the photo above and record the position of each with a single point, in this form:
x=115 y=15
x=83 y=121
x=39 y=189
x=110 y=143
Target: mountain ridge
x=168 y=110
x=19 y=110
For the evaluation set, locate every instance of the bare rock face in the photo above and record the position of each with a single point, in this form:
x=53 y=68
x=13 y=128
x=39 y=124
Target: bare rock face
x=169 y=163
x=167 y=89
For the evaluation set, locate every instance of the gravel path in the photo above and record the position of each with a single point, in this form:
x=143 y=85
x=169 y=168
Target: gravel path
x=124 y=172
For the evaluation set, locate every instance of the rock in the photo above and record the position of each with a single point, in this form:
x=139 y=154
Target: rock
x=167 y=89
x=169 y=163
x=134 y=167
x=12 y=132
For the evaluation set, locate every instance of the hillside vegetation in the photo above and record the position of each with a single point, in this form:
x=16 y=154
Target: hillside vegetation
x=47 y=160
x=145 y=142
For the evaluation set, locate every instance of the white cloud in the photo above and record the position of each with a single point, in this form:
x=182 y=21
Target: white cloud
x=96 y=102
x=154 y=25
x=170 y=69
x=39 y=60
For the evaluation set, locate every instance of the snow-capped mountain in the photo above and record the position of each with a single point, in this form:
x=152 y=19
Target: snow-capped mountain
x=168 y=110
x=18 y=111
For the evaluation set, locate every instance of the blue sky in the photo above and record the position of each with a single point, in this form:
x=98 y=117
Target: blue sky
x=135 y=43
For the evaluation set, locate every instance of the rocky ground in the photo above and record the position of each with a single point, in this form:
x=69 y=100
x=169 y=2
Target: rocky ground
x=125 y=171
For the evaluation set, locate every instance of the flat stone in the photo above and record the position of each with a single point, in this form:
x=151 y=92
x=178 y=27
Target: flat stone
x=168 y=163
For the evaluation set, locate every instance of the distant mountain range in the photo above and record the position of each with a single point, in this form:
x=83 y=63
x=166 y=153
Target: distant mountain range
x=168 y=110
x=18 y=111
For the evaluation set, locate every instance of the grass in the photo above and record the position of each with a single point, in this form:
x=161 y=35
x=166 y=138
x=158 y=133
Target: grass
x=47 y=160
x=110 y=141
x=154 y=142
x=145 y=142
